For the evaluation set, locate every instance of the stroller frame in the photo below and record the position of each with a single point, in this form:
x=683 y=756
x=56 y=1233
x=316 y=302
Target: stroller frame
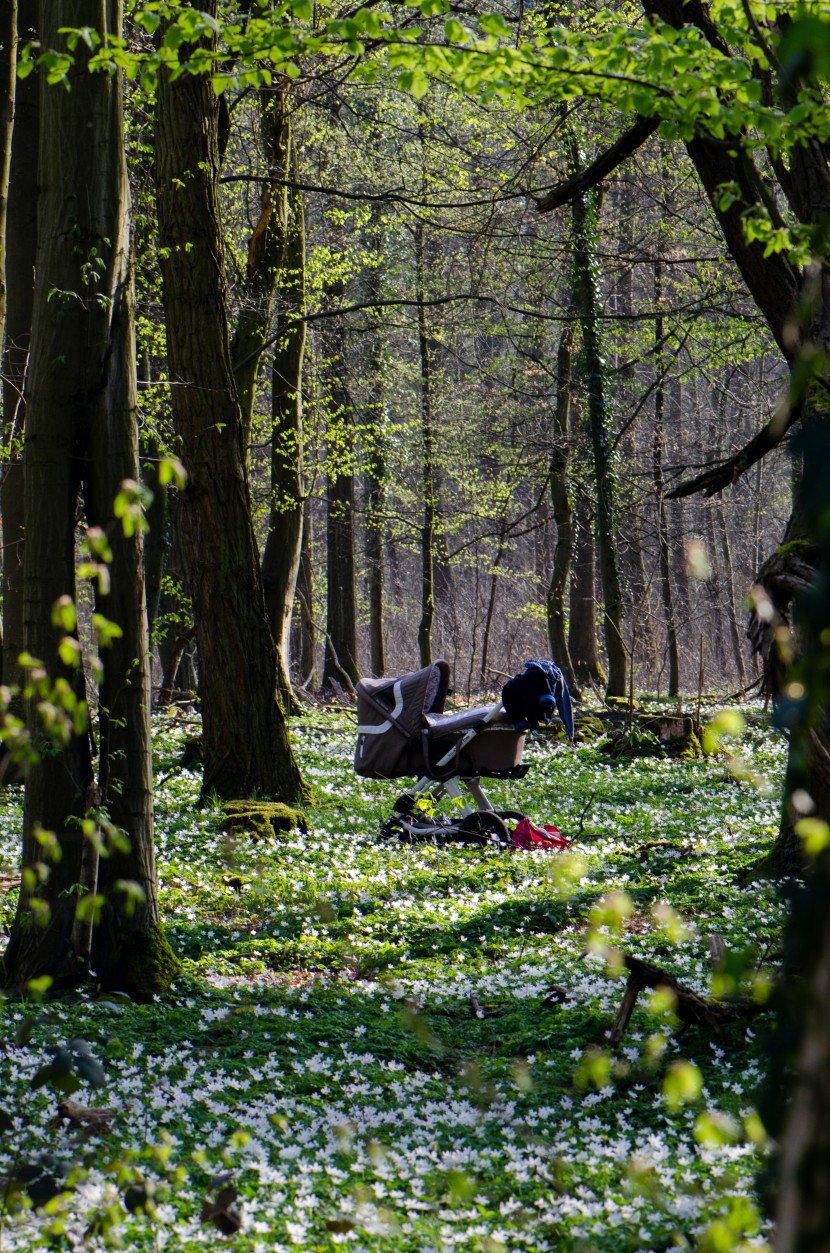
x=480 y=823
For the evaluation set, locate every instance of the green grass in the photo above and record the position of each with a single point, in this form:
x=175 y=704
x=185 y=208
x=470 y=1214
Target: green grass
x=406 y=1048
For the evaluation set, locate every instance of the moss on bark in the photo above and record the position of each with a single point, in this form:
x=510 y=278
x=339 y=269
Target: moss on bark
x=148 y=964
x=262 y=819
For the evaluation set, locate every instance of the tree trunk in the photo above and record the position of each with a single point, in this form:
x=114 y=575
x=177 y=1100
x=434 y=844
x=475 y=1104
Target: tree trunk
x=427 y=461
x=266 y=249
x=8 y=83
x=612 y=617
x=340 y=666
x=491 y=604
x=658 y=444
x=281 y=558
x=582 y=624
x=375 y=469
x=81 y=436
x=731 y=605
x=19 y=266
x=307 y=650
x=563 y=514
x=245 y=742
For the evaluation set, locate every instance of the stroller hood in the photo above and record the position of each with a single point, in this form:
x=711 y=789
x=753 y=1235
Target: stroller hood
x=391 y=713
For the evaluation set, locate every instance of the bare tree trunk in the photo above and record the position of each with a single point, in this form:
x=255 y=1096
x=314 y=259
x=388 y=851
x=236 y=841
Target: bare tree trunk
x=491 y=603
x=427 y=461
x=658 y=443
x=265 y=252
x=731 y=607
x=307 y=650
x=281 y=559
x=582 y=625
x=562 y=512
x=19 y=266
x=375 y=470
x=81 y=435
x=341 y=591
x=8 y=84
x=245 y=742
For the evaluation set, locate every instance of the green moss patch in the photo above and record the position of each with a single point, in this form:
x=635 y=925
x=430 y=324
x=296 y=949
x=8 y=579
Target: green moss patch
x=262 y=819
x=148 y=965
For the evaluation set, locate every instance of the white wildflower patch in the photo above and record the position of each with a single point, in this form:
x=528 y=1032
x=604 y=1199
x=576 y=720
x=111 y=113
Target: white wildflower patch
x=373 y=1045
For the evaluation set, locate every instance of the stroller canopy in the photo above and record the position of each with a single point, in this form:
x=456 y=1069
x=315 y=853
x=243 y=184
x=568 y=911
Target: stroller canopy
x=391 y=714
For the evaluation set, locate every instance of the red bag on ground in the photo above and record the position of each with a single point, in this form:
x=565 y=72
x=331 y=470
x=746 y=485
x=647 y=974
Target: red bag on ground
x=527 y=835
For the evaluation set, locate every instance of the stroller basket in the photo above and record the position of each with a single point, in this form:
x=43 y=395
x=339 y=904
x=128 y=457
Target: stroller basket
x=403 y=731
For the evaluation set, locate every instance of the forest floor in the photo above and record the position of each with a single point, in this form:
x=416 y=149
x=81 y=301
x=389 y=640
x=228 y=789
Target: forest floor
x=382 y=1046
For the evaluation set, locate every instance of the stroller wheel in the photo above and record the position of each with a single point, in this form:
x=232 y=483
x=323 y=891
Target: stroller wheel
x=484 y=828
x=510 y=817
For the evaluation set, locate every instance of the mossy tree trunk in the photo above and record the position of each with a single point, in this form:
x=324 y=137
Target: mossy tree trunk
x=585 y=266
x=81 y=439
x=245 y=742
x=562 y=513
x=582 y=620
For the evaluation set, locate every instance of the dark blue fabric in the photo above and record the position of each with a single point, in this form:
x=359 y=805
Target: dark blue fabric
x=527 y=696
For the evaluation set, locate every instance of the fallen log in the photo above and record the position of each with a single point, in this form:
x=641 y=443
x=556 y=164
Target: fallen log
x=692 y=1009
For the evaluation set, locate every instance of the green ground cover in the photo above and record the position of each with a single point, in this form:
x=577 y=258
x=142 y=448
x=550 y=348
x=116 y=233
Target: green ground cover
x=381 y=1046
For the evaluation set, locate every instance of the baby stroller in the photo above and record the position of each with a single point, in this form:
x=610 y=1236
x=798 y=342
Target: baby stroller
x=403 y=731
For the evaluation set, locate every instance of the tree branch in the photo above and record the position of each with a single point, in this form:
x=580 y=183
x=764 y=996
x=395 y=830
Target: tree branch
x=627 y=143
x=720 y=476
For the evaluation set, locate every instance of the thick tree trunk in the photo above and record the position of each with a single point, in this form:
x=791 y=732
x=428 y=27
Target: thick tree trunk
x=563 y=514
x=612 y=613
x=582 y=623
x=265 y=253
x=245 y=743
x=8 y=83
x=81 y=436
x=281 y=558
x=19 y=266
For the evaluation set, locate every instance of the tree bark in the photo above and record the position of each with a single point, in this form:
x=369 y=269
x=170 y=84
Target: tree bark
x=582 y=624
x=588 y=300
x=375 y=469
x=427 y=460
x=19 y=266
x=81 y=436
x=8 y=83
x=562 y=513
x=281 y=559
x=266 y=249
x=245 y=742
x=658 y=444
x=340 y=663
x=307 y=650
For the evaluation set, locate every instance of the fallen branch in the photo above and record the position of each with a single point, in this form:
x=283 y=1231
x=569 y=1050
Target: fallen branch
x=692 y=1010
x=79 y=1116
